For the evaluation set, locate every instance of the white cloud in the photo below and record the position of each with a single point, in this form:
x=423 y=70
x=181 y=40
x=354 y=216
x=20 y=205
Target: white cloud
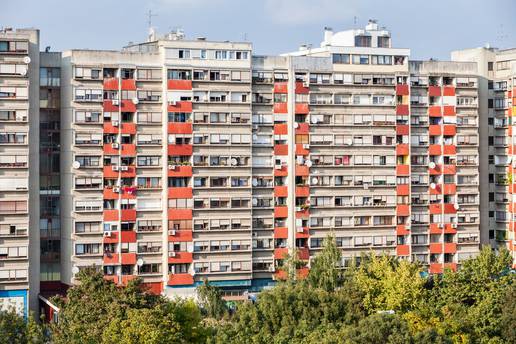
x=308 y=11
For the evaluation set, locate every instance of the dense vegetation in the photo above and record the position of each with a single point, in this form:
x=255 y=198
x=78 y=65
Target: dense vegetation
x=384 y=300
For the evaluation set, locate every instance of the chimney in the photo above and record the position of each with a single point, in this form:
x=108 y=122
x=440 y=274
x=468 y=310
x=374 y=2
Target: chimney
x=328 y=34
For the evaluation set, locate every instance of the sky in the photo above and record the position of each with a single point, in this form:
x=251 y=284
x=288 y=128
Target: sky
x=430 y=28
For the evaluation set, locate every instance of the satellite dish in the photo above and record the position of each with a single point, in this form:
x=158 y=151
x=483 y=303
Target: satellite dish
x=75 y=270
x=308 y=163
x=76 y=164
x=313 y=120
x=254 y=182
x=456 y=206
x=255 y=202
x=139 y=262
x=23 y=72
x=432 y=186
x=315 y=180
x=135 y=101
x=234 y=162
x=255 y=137
x=26 y=59
x=296 y=125
x=431 y=164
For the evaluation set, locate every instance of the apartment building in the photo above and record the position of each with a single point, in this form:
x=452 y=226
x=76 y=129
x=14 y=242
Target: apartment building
x=180 y=160
x=19 y=166
x=497 y=71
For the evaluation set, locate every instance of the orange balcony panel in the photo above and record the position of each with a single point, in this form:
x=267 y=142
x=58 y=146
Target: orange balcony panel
x=280 y=233
x=127 y=236
x=179 y=128
x=301 y=89
x=509 y=129
x=449 y=169
x=450 y=189
x=280 y=253
x=303 y=253
x=435 y=228
x=280 y=108
x=180 y=149
x=451 y=266
x=435 y=208
x=180 y=279
x=179 y=84
x=302 y=170
x=109 y=107
x=153 y=287
x=112 y=239
x=402 y=90
x=128 y=149
x=129 y=173
x=128 y=192
x=402 y=190
x=181 y=236
x=436 y=247
x=127 y=278
x=402 y=230
x=434 y=150
x=402 y=110
x=402 y=170
x=128 y=214
x=183 y=106
x=402 y=129
x=128 y=105
x=449 y=110
x=109 y=193
x=434 y=129
x=434 y=91
x=109 y=150
x=111 y=278
x=402 y=250
x=128 y=85
x=302 y=108
x=448 y=229
x=402 y=149
x=300 y=150
x=280 y=149
x=449 y=129
x=449 y=150
x=280 y=87
x=436 y=191
x=403 y=210
x=280 y=129
x=435 y=268
x=180 y=171
x=110 y=258
x=281 y=172
x=180 y=192
x=449 y=208
x=435 y=111
x=110 y=215
x=110 y=84
x=109 y=128
x=303 y=128
x=305 y=234
x=436 y=170
x=179 y=214
x=281 y=211
x=128 y=258
x=280 y=191
x=450 y=247
x=302 y=191
x=448 y=91
x=128 y=128
x=181 y=258
x=303 y=214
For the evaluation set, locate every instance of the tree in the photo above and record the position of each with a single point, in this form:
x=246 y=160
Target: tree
x=211 y=301
x=14 y=329
x=325 y=270
x=389 y=283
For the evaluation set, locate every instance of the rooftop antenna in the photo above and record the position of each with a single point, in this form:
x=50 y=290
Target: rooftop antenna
x=245 y=36
x=152 y=32
x=149 y=18
x=355 y=21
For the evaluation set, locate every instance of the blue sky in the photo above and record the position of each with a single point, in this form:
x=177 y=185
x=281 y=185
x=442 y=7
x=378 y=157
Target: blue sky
x=431 y=28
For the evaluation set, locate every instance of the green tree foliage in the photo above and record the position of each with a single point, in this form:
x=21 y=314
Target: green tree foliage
x=211 y=301
x=325 y=272
x=14 y=329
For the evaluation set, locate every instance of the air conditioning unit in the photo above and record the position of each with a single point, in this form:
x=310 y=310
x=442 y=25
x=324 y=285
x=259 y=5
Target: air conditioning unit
x=272 y=268
x=115 y=123
x=124 y=168
x=115 y=167
x=172 y=232
x=440 y=225
x=453 y=225
x=108 y=234
x=116 y=189
x=306 y=84
x=114 y=145
x=300 y=229
x=172 y=167
x=172 y=102
x=278 y=167
x=255 y=234
x=115 y=101
x=306 y=146
x=171 y=254
x=298 y=208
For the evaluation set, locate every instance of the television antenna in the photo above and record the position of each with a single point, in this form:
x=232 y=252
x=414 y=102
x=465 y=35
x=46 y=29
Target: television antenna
x=149 y=18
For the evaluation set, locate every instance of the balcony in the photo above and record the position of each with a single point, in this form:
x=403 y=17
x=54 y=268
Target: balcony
x=179 y=128
x=128 y=149
x=402 y=149
x=402 y=210
x=180 y=257
x=402 y=130
x=180 y=192
x=280 y=108
x=302 y=108
x=179 y=84
x=449 y=110
x=280 y=211
x=402 y=190
x=179 y=214
x=280 y=191
x=302 y=191
x=302 y=170
x=128 y=215
x=402 y=90
x=280 y=129
x=402 y=250
x=301 y=88
x=182 y=149
x=434 y=91
x=125 y=105
x=280 y=233
x=180 y=279
x=179 y=171
x=402 y=170
x=128 y=258
x=280 y=253
x=182 y=235
x=280 y=87
x=448 y=91
x=402 y=110
x=110 y=215
x=281 y=150
x=182 y=106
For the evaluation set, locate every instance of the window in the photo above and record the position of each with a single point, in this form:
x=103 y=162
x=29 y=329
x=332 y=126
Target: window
x=360 y=59
x=341 y=58
x=381 y=59
x=383 y=42
x=362 y=41
x=490 y=66
x=184 y=54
